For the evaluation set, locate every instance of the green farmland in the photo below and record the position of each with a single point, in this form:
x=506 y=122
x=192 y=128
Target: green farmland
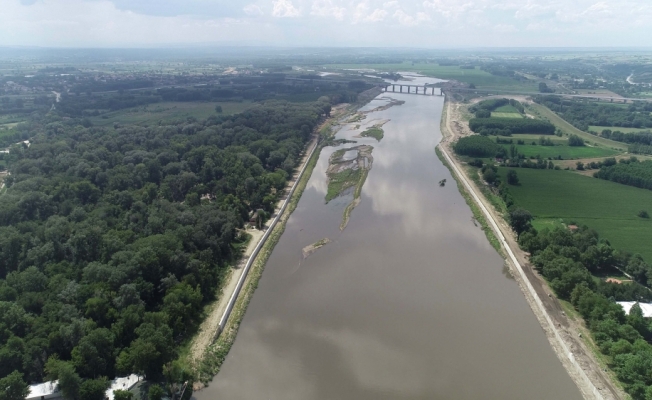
x=546 y=114
x=609 y=208
x=167 y=111
x=566 y=152
x=498 y=114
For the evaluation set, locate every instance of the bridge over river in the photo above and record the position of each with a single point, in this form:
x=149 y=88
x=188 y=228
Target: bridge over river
x=426 y=90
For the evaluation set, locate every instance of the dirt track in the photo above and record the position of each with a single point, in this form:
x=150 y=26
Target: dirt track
x=562 y=332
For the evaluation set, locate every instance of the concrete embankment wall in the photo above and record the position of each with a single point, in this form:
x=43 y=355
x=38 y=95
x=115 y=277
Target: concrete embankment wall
x=567 y=353
x=261 y=243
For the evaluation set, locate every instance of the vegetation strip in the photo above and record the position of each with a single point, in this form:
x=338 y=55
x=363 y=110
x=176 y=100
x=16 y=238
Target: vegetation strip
x=215 y=354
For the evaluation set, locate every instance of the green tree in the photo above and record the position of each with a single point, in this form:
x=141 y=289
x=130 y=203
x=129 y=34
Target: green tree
x=94 y=354
x=69 y=380
x=93 y=389
x=543 y=88
x=122 y=395
x=574 y=140
x=512 y=177
x=218 y=109
x=490 y=176
x=155 y=392
x=520 y=220
x=13 y=387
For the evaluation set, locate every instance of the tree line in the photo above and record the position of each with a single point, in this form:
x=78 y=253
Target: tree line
x=484 y=126
x=630 y=172
x=89 y=104
x=112 y=240
x=582 y=114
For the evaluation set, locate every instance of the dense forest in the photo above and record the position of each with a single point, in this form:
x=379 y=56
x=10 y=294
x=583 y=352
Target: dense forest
x=508 y=126
x=268 y=87
x=639 y=142
x=476 y=146
x=111 y=240
x=568 y=260
x=582 y=114
x=628 y=172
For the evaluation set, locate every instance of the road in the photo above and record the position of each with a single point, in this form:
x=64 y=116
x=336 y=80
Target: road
x=579 y=96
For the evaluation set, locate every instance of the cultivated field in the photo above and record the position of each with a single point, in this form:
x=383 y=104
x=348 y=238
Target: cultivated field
x=166 y=111
x=566 y=152
x=609 y=208
x=544 y=113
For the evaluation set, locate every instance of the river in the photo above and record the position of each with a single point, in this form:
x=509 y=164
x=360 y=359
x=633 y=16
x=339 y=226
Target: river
x=410 y=301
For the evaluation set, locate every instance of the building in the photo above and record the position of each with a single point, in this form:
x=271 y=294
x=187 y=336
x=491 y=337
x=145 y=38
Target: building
x=50 y=390
x=125 y=383
x=645 y=307
x=44 y=391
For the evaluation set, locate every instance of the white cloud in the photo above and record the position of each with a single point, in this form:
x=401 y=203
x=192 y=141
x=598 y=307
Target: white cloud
x=325 y=8
x=450 y=8
x=474 y=22
x=408 y=20
x=377 y=15
x=505 y=28
x=252 y=10
x=285 y=9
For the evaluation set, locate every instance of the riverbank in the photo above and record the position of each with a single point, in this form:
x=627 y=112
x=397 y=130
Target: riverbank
x=217 y=333
x=562 y=332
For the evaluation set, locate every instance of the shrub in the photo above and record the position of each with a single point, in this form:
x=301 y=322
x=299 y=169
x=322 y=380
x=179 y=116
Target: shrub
x=643 y=214
x=575 y=140
x=476 y=163
x=512 y=177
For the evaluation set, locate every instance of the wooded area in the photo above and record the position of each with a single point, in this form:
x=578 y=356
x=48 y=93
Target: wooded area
x=628 y=172
x=568 y=260
x=582 y=114
x=485 y=126
x=113 y=239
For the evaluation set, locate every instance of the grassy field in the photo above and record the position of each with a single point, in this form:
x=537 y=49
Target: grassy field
x=566 y=152
x=528 y=138
x=609 y=208
x=507 y=109
x=165 y=111
x=476 y=76
x=340 y=181
x=506 y=114
x=374 y=132
x=544 y=113
x=599 y=129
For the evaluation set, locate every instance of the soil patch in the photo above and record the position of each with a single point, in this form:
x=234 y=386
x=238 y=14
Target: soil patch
x=308 y=250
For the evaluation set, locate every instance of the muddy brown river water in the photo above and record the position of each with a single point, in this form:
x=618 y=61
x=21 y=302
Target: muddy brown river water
x=410 y=301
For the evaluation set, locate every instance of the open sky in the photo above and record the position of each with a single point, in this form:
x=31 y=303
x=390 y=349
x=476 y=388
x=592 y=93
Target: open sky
x=420 y=23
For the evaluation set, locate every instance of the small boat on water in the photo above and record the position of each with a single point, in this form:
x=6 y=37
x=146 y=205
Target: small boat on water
x=442 y=182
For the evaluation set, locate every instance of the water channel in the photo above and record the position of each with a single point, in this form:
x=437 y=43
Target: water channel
x=408 y=302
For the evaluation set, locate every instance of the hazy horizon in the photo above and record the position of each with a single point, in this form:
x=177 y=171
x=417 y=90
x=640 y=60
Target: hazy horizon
x=326 y=23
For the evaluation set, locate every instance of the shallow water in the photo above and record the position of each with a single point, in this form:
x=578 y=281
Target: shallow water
x=408 y=302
